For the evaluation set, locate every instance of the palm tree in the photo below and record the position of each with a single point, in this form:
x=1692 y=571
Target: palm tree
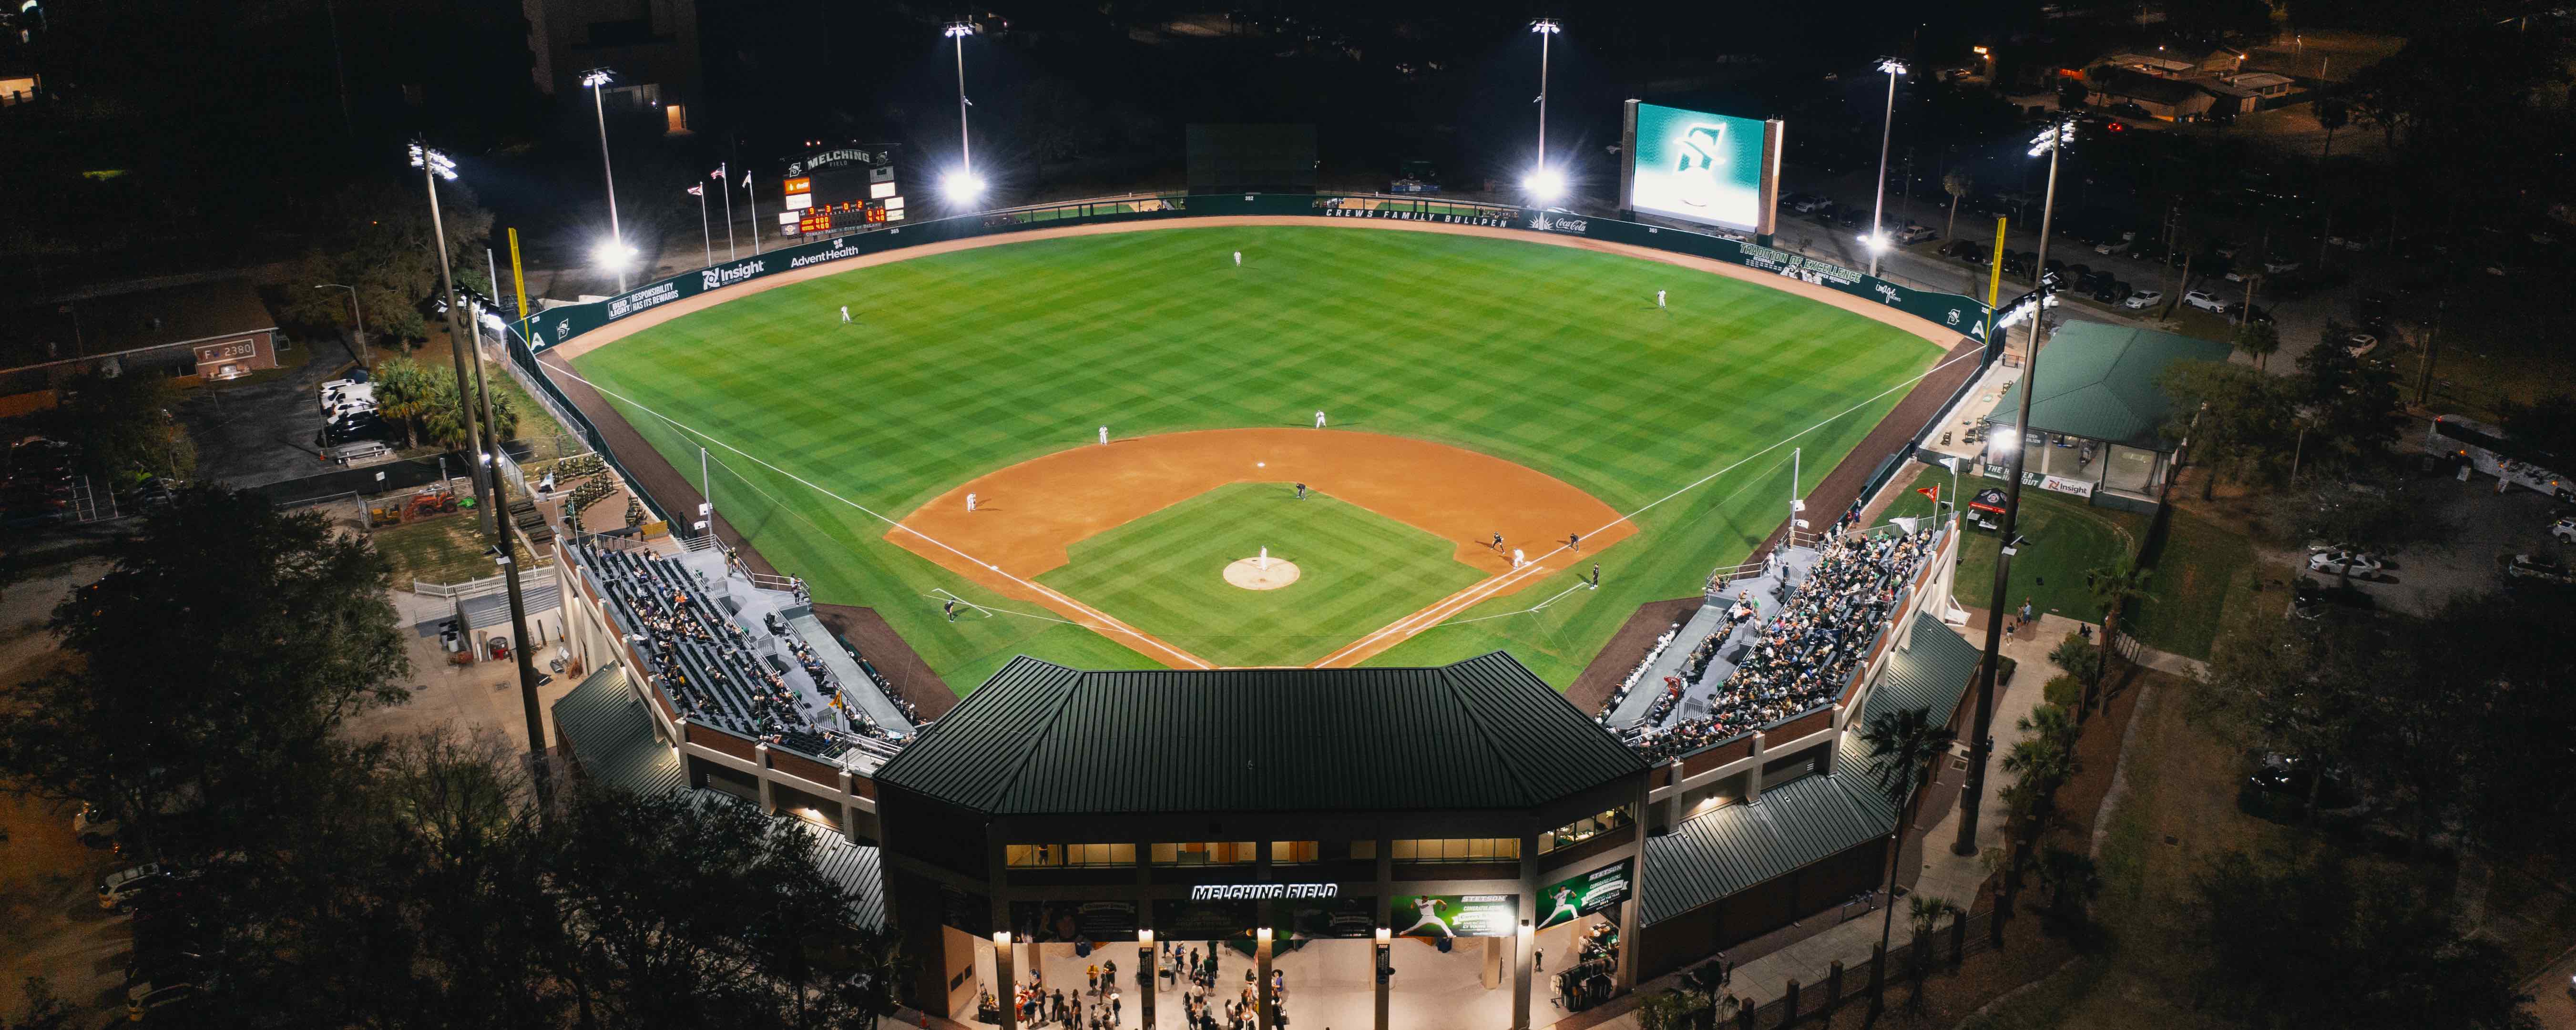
x=404 y=393
x=1902 y=747
x=1957 y=184
x=2071 y=879
x=2258 y=340
x=2041 y=761
x=2113 y=587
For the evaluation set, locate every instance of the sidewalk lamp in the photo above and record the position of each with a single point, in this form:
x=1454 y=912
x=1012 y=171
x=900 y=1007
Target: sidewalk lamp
x=354 y=311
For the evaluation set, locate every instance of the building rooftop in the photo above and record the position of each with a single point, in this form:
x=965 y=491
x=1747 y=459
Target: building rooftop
x=1040 y=738
x=115 y=323
x=2125 y=83
x=2098 y=381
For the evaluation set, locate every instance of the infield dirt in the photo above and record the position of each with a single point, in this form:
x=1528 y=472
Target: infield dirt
x=1027 y=514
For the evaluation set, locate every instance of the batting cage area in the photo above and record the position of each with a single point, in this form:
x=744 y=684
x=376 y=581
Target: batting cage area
x=845 y=450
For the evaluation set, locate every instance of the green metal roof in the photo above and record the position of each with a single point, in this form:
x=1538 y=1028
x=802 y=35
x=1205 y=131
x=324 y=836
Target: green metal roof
x=854 y=866
x=612 y=736
x=1039 y=738
x=1814 y=817
x=2098 y=381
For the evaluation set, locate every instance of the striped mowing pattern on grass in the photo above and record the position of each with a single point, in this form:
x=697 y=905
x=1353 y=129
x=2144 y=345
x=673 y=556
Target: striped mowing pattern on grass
x=1553 y=357
x=1164 y=574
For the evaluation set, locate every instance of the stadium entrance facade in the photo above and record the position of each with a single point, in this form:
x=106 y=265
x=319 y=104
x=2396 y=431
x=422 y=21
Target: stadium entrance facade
x=1450 y=846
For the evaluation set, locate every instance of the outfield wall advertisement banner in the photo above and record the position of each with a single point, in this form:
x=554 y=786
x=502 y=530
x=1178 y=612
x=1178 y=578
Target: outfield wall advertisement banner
x=1713 y=169
x=1454 y=915
x=1575 y=897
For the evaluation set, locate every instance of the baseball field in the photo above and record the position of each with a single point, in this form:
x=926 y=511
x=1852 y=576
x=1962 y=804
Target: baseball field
x=1472 y=386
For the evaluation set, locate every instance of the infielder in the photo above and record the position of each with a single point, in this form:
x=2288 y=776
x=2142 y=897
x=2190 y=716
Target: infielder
x=1498 y=541
x=845 y=314
x=1301 y=491
x=1319 y=419
x=1575 y=541
x=1104 y=436
x=1238 y=259
x=1430 y=909
x=970 y=504
x=1659 y=299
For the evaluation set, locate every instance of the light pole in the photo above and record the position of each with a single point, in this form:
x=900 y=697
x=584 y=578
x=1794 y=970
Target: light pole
x=1544 y=184
x=962 y=186
x=433 y=167
x=597 y=80
x=2033 y=306
x=1887 y=133
x=355 y=312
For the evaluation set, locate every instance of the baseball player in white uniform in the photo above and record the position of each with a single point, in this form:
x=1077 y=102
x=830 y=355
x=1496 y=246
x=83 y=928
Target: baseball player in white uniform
x=1104 y=435
x=1238 y=259
x=1319 y=420
x=1659 y=298
x=1430 y=909
x=970 y=504
x=845 y=314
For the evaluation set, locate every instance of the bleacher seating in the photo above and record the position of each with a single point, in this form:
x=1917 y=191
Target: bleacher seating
x=1804 y=655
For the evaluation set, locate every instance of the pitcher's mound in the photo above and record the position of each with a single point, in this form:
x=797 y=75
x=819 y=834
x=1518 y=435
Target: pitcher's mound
x=1248 y=573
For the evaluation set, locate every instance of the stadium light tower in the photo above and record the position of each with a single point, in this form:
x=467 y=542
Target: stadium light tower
x=1544 y=184
x=2033 y=306
x=1877 y=238
x=433 y=167
x=963 y=185
x=597 y=80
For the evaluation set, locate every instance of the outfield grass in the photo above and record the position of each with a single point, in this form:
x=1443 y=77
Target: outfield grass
x=1553 y=357
x=1357 y=570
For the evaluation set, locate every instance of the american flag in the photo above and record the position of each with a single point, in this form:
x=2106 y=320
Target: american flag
x=697 y=191
x=718 y=173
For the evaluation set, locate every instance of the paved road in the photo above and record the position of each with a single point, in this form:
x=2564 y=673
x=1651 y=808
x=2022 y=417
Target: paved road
x=248 y=435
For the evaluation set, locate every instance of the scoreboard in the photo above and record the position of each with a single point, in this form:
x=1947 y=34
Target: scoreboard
x=832 y=188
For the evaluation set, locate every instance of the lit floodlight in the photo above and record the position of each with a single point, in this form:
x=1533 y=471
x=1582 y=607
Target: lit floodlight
x=596 y=77
x=958 y=29
x=1875 y=241
x=437 y=163
x=612 y=254
x=1546 y=26
x=1545 y=185
x=2001 y=446
x=961 y=186
x=2057 y=135
x=1892 y=66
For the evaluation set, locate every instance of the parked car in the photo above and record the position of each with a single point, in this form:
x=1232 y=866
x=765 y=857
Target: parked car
x=2339 y=562
x=2535 y=567
x=2109 y=292
x=2564 y=530
x=119 y=888
x=2143 y=299
x=2205 y=300
x=149 y=1005
x=2277 y=266
x=2358 y=344
x=2114 y=246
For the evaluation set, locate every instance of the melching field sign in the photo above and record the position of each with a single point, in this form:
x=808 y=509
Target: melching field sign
x=1709 y=168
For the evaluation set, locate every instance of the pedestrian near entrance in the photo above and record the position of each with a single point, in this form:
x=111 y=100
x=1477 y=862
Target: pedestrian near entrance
x=1091 y=975
x=2025 y=611
x=970 y=504
x=1319 y=419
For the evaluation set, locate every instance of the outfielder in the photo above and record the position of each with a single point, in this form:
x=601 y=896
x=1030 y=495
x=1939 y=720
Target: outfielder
x=1430 y=909
x=845 y=314
x=970 y=504
x=1238 y=259
x=1319 y=419
x=1104 y=436
x=1659 y=298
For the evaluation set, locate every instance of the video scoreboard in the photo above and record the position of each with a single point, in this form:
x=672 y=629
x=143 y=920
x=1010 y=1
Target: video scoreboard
x=833 y=188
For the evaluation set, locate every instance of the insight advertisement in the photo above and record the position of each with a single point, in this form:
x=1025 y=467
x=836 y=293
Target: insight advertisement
x=1597 y=891
x=1700 y=167
x=1454 y=915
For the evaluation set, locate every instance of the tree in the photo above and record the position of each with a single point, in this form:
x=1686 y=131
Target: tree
x=2270 y=686
x=405 y=393
x=2112 y=587
x=432 y=406
x=2333 y=113
x=2071 y=880
x=2043 y=760
x=1957 y=183
x=2237 y=419
x=214 y=662
x=2339 y=514
x=2258 y=340
x=2546 y=424
x=378 y=239
x=45 y=1010
x=124 y=428
x=2351 y=409
x=1902 y=747
x=2367 y=952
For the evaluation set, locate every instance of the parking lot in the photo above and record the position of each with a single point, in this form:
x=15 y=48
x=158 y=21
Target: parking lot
x=252 y=434
x=2483 y=526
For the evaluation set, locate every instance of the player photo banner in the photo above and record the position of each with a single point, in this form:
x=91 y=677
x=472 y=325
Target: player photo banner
x=1454 y=915
x=1591 y=893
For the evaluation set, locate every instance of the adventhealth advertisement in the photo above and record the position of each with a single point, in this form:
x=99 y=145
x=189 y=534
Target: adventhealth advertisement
x=1594 y=892
x=1454 y=915
x=1698 y=167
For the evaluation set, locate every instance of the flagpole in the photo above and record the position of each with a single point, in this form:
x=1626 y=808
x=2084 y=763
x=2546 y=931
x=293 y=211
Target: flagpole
x=754 y=196
x=705 y=234
x=727 y=190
